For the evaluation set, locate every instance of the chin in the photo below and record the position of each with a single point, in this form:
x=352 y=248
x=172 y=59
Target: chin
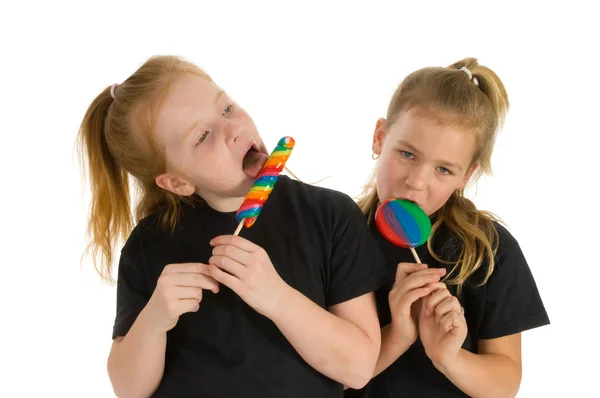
x=430 y=211
x=244 y=186
x=233 y=187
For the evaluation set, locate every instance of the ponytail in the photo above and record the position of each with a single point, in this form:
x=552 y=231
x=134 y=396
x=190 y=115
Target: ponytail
x=110 y=216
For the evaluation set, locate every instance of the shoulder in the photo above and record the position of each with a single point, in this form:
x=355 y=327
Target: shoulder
x=149 y=234
x=508 y=248
x=324 y=208
x=513 y=301
x=319 y=196
x=134 y=248
x=508 y=255
x=505 y=237
x=511 y=269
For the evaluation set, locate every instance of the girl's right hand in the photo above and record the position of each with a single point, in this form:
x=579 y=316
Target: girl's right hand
x=178 y=290
x=413 y=282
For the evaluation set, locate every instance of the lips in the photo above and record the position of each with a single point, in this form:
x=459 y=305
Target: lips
x=409 y=200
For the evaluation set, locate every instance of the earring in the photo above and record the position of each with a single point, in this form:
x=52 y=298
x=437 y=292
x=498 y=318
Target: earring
x=375 y=156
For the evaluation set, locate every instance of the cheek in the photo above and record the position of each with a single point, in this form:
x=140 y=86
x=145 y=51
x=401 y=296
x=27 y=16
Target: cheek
x=442 y=194
x=200 y=164
x=387 y=177
x=439 y=195
x=390 y=167
x=174 y=161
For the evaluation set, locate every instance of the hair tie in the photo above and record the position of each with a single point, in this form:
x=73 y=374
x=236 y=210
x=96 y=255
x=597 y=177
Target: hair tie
x=112 y=90
x=468 y=72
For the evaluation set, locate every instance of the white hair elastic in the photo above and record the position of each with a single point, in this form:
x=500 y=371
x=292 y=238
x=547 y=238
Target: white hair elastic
x=468 y=72
x=112 y=90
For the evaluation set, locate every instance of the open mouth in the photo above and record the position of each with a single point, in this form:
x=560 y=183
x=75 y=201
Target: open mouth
x=253 y=161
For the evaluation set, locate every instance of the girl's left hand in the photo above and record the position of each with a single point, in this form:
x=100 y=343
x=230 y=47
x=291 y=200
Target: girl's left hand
x=442 y=327
x=247 y=270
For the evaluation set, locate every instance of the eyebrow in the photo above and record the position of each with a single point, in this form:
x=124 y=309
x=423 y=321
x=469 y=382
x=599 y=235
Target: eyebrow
x=416 y=151
x=187 y=131
x=219 y=95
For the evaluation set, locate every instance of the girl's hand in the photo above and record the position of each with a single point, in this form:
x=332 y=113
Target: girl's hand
x=178 y=290
x=247 y=270
x=413 y=281
x=442 y=327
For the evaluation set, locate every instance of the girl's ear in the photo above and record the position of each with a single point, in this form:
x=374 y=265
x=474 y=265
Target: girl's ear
x=468 y=175
x=379 y=135
x=176 y=184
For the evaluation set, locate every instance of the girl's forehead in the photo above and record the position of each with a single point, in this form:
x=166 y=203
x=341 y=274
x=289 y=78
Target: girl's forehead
x=427 y=138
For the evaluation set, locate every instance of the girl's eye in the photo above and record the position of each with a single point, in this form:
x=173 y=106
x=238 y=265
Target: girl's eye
x=203 y=137
x=228 y=109
x=407 y=154
x=444 y=170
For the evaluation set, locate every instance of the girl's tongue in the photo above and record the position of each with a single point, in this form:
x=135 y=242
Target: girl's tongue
x=253 y=162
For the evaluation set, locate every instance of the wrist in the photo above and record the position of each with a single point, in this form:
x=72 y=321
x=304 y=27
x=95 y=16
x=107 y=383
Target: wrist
x=281 y=301
x=397 y=337
x=146 y=323
x=451 y=365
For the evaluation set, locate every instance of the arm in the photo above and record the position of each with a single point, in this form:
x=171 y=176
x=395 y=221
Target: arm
x=392 y=348
x=512 y=305
x=343 y=344
x=495 y=372
x=136 y=361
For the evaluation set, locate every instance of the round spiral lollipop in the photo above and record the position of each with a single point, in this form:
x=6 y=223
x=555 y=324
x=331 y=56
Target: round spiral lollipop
x=265 y=181
x=403 y=223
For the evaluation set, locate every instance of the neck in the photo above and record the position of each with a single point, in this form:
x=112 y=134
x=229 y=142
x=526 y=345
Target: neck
x=223 y=205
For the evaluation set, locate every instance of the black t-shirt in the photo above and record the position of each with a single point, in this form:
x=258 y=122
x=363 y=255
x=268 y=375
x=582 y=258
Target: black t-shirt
x=319 y=244
x=508 y=303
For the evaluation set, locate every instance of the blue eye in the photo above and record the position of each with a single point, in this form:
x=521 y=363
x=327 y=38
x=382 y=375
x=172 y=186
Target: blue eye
x=444 y=170
x=407 y=154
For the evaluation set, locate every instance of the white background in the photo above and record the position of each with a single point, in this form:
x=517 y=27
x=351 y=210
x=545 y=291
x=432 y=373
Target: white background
x=323 y=73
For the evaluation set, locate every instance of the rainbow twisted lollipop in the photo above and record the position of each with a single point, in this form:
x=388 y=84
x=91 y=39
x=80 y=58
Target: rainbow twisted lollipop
x=403 y=223
x=265 y=181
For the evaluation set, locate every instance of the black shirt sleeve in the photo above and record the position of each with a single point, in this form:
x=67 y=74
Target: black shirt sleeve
x=133 y=290
x=513 y=303
x=357 y=265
